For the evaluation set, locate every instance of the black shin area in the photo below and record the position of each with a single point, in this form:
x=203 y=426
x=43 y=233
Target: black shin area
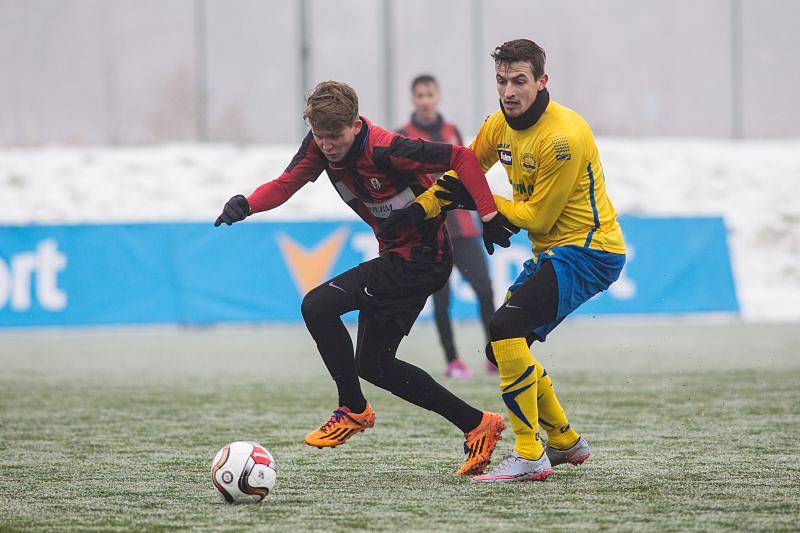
x=376 y=361
x=441 y=315
x=471 y=262
x=322 y=308
x=533 y=304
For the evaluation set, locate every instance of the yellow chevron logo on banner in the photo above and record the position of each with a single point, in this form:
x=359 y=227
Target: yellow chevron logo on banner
x=310 y=267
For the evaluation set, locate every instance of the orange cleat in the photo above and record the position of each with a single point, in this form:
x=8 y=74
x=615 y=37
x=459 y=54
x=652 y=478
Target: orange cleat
x=342 y=425
x=480 y=443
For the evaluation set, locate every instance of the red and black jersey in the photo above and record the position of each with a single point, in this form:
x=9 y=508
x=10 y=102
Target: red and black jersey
x=459 y=222
x=381 y=172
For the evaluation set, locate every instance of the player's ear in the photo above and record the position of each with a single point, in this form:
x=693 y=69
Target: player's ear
x=357 y=125
x=541 y=82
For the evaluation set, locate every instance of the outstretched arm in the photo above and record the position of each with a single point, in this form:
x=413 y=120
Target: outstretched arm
x=306 y=165
x=418 y=156
x=484 y=149
x=274 y=193
x=496 y=228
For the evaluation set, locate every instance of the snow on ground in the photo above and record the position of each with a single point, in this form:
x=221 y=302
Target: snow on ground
x=752 y=184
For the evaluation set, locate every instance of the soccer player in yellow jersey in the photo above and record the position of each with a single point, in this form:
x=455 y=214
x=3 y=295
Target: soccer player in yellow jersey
x=559 y=197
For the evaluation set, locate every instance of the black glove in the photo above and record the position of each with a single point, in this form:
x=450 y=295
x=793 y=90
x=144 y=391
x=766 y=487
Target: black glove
x=455 y=193
x=498 y=231
x=235 y=209
x=402 y=218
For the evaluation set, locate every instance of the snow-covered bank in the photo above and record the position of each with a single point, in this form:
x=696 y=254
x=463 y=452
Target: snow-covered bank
x=752 y=184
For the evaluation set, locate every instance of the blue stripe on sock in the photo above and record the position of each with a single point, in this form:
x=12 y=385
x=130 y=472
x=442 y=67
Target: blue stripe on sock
x=522 y=377
x=510 y=399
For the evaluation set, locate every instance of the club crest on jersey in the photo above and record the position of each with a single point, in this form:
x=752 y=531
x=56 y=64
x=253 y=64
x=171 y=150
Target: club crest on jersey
x=376 y=183
x=505 y=156
x=528 y=161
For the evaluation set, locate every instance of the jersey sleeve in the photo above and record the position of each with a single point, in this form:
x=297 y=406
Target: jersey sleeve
x=484 y=148
x=485 y=145
x=426 y=157
x=559 y=170
x=306 y=165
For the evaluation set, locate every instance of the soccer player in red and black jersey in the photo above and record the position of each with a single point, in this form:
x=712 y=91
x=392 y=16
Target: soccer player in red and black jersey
x=427 y=123
x=379 y=173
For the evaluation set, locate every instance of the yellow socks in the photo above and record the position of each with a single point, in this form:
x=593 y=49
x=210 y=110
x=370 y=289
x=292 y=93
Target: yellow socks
x=519 y=376
x=551 y=415
x=530 y=400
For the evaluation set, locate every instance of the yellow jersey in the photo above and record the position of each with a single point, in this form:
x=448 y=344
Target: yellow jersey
x=559 y=193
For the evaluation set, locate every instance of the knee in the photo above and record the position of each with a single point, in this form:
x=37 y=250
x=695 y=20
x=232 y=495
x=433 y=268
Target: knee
x=312 y=308
x=490 y=354
x=503 y=326
x=369 y=369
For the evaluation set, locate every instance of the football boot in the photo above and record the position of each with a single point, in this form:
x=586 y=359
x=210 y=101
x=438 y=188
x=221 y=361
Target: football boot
x=514 y=468
x=342 y=425
x=574 y=455
x=480 y=443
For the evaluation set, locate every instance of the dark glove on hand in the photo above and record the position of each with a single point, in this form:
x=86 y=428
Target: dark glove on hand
x=235 y=209
x=498 y=231
x=402 y=218
x=455 y=193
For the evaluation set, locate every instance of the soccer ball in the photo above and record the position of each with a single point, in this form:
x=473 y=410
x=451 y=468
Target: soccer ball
x=243 y=472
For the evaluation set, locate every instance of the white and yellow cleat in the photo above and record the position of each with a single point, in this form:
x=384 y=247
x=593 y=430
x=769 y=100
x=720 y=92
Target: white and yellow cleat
x=515 y=468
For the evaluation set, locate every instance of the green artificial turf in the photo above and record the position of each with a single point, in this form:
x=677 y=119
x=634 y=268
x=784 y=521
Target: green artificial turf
x=691 y=427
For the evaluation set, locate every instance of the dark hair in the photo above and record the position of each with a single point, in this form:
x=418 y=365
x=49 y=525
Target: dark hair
x=423 y=78
x=331 y=106
x=521 y=50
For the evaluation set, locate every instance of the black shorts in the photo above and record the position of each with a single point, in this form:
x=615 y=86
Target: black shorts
x=390 y=289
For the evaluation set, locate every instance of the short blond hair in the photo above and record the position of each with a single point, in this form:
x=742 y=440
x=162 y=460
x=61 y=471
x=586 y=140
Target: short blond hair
x=331 y=106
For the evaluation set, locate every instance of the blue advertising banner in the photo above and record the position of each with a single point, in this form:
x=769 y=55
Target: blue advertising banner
x=259 y=271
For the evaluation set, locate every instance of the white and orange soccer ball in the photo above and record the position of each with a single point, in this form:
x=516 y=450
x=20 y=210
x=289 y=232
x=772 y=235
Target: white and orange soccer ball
x=244 y=472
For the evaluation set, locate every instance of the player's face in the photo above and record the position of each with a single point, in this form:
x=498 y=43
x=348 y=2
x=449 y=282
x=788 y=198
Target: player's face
x=334 y=145
x=425 y=98
x=517 y=87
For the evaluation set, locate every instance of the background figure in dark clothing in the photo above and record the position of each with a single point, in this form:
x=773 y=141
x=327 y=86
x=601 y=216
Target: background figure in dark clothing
x=468 y=256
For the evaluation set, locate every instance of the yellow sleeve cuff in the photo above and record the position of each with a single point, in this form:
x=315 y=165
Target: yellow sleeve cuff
x=506 y=207
x=430 y=203
x=522 y=214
